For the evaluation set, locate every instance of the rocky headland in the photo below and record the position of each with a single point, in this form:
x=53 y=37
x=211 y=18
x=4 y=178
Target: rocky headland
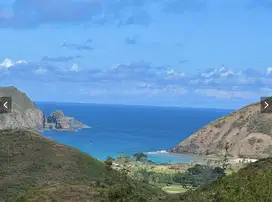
x=247 y=131
x=25 y=114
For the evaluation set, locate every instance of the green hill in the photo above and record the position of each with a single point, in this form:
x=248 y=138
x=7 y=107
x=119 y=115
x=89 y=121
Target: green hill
x=33 y=168
x=250 y=184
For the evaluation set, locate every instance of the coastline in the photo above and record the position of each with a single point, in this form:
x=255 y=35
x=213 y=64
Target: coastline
x=213 y=159
x=173 y=158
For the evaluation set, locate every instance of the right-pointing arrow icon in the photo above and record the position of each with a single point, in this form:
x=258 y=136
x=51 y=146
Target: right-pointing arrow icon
x=266 y=104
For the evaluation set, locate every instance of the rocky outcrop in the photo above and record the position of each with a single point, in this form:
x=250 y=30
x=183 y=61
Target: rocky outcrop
x=26 y=115
x=57 y=120
x=248 y=132
x=24 y=112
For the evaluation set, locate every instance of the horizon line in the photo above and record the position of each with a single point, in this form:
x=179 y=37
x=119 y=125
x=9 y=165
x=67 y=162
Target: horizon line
x=135 y=105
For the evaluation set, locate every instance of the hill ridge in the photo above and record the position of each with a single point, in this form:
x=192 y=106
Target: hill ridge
x=248 y=131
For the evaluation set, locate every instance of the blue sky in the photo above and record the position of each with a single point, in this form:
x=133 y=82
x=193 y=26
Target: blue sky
x=196 y=53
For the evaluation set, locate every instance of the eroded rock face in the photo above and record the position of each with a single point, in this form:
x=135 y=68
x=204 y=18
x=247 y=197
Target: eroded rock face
x=31 y=119
x=247 y=130
x=24 y=112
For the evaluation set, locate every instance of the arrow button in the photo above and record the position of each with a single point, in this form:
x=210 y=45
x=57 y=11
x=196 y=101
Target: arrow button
x=5 y=104
x=266 y=104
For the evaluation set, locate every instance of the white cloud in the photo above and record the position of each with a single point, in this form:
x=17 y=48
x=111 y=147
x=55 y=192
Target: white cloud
x=75 y=68
x=225 y=72
x=21 y=62
x=8 y=63
x=145 y=80
x=269 y=71
x=208 y=74
x=218 y=72
x=174 y=73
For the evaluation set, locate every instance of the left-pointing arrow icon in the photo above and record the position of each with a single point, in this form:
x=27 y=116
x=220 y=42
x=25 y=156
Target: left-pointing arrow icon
x=5 y=105
x=266 y=104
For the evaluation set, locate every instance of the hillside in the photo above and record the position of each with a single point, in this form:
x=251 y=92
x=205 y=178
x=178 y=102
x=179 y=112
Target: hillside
x=247 y=130
x=20 y=101
x=252 y=183
x=24 y=112
x=33 y=168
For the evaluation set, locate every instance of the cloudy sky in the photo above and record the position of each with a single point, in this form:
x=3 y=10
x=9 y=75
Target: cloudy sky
x=197 y=53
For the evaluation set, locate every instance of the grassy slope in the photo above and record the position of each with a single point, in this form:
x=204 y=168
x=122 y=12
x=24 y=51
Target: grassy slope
x=40 y=169
x=253 y=183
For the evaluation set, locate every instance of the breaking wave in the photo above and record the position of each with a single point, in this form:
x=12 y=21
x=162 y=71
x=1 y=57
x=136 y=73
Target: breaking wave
x=157 y=152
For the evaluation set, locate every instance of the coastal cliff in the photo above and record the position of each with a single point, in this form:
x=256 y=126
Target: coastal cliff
x=25 y=114
x=247 y=130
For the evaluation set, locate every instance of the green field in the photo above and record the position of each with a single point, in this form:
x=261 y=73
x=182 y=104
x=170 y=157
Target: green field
x=174 y=189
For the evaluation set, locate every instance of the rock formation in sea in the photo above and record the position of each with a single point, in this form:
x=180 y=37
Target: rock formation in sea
x=57 y=120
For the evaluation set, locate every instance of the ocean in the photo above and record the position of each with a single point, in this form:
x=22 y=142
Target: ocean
x=117 y=129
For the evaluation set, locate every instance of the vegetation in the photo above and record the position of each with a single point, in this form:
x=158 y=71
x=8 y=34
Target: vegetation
x=108 y=162
x=252 y=183
x=145 y=172
x=140 y=156
x=174 y=189
x=226 y=155
x=124 y=190
x=123 y=159
x=33 y=168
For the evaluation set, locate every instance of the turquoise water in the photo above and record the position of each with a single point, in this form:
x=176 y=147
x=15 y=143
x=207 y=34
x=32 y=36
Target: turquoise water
x=119 y=129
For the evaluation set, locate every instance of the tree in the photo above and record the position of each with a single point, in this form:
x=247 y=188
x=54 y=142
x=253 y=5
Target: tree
x=123 y=158
x=108 y=162
x=218 y=172
x=125 y=190
x=226 y=155
x=196 y=170
x=140 y=156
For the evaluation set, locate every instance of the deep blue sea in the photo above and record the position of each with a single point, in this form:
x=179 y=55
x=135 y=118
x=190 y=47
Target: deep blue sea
x=119 y=129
